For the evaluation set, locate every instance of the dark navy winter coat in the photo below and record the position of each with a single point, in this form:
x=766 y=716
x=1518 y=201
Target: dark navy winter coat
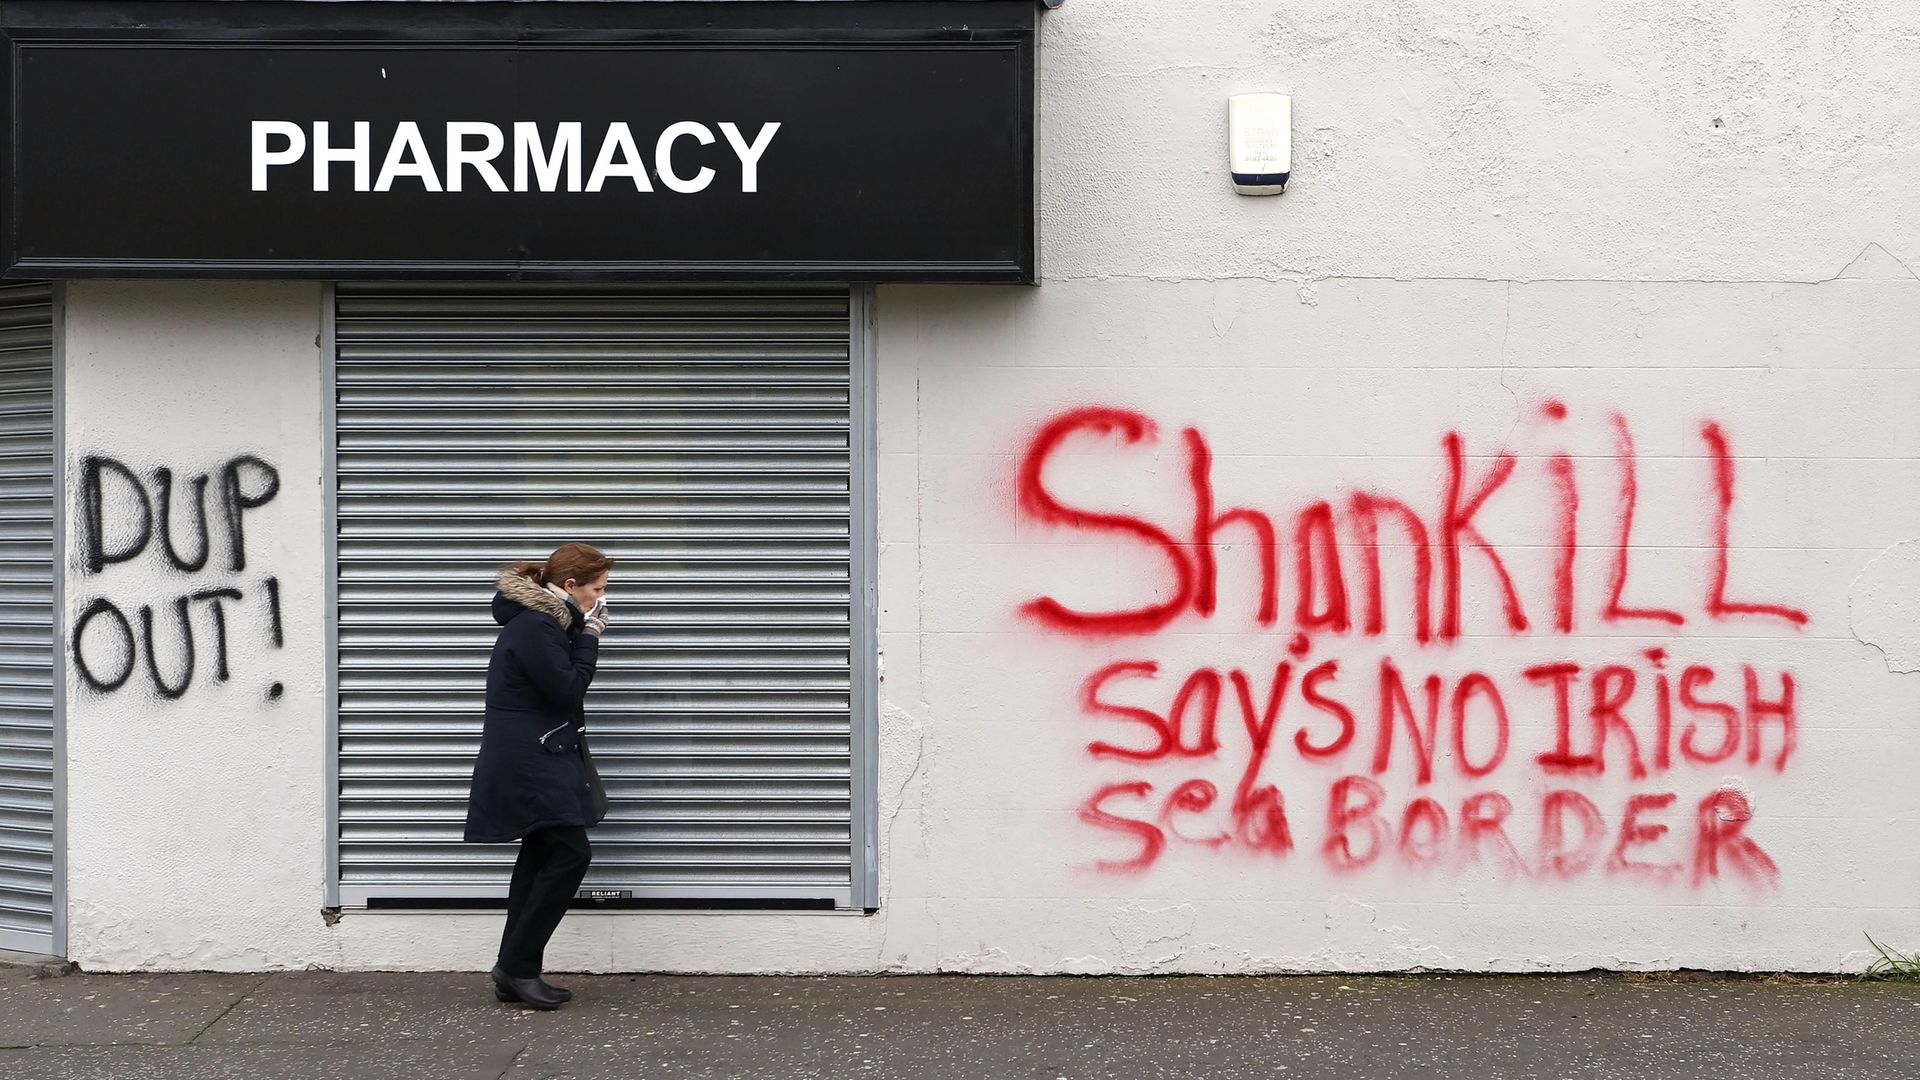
x=530 y=774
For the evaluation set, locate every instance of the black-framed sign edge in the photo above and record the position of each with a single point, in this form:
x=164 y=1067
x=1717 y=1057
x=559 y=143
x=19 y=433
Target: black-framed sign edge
x=1012 y=273
x=1022 y=38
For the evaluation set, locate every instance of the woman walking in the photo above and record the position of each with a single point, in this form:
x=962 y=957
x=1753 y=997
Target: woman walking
x=533 y=781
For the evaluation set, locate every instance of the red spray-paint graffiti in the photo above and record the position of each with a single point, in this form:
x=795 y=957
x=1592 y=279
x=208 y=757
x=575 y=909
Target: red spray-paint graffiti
x=1192 y=584
x=1336 y=732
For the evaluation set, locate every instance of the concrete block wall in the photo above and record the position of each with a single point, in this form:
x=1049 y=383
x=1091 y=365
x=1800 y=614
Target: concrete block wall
x=1538 y=267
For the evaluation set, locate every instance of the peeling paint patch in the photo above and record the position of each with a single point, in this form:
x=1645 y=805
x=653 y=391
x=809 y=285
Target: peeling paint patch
x=1152 y=936
x=1739 y=808
x=1884 y=606
x=1083 y=965
x=903 y=749
x=1344 y=913
x=989 y=960
x=903 y=755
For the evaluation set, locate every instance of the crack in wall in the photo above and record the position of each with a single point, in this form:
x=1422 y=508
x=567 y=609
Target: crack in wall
x=1506 y=331
x=1305 y=277
x=1883 y=606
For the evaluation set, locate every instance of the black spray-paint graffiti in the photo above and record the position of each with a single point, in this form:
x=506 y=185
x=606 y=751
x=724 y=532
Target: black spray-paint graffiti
x=119 y=519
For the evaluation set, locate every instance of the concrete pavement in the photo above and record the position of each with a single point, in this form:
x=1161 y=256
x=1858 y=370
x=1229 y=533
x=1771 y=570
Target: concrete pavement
x=305 y=1026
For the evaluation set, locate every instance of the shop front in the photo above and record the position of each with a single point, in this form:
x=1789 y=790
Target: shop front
x=401 y=293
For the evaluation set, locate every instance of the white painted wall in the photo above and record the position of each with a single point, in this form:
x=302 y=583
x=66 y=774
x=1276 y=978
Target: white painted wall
x=1676 y=217
x=195 y=825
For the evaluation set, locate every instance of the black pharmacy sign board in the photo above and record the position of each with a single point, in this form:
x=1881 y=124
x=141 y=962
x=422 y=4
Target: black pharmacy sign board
x=862 y=141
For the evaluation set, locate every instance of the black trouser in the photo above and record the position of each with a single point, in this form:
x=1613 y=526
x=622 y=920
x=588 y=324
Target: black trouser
x=548 y=872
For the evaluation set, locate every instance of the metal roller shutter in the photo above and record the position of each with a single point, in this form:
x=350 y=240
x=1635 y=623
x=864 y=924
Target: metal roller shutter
x=707 y=439
x=26 y=619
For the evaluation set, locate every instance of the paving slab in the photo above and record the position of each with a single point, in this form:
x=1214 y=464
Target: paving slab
x=387 y=1061
x=1323 y=1029
x=326 y=1007
x=641 y=1027
x=81 y=1010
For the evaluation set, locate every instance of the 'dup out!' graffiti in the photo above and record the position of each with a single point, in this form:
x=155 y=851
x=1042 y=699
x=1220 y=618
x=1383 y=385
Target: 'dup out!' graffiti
x=125 y=518
x=1281 y=751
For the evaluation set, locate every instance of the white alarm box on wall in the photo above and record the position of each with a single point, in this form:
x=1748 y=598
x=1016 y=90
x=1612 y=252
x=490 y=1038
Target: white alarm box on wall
x=1260 y=142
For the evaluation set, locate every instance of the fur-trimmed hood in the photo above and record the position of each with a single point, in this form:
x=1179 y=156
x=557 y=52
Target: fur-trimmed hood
x=518 y=591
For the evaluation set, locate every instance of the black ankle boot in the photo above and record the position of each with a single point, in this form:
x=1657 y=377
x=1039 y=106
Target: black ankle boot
x=560 y=992
x=532 y=992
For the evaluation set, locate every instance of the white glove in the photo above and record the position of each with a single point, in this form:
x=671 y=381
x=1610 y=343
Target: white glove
x=597 y=619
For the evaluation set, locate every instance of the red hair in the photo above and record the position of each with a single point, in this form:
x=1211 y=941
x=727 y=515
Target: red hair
x=579 y=562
